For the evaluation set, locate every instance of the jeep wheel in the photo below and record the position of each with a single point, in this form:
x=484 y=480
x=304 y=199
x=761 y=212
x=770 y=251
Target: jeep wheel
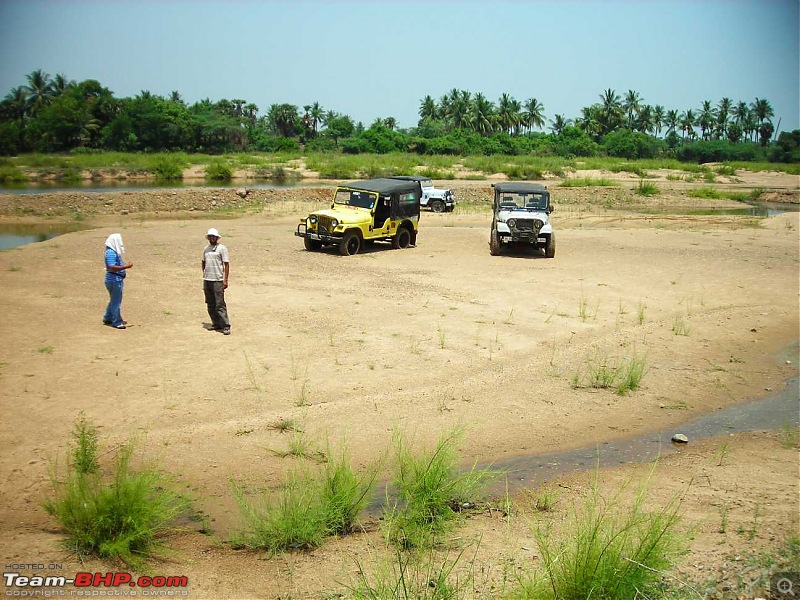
x=550 y=246
x=494 y=243
x=312 y=245
x=350 y=244
x=437 y=206
x=401 y=239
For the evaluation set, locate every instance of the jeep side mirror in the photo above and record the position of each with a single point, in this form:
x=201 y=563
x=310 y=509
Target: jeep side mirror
x=550 y=209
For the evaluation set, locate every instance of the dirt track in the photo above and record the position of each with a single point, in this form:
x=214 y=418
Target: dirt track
x=423 y=340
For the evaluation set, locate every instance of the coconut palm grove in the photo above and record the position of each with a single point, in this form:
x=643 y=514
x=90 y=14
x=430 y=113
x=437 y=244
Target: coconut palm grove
x=52 y=114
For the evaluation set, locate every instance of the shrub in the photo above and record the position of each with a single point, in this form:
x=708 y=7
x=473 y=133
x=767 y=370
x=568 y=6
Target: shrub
x=218 y=171
x=168 y=167
x=119 y=514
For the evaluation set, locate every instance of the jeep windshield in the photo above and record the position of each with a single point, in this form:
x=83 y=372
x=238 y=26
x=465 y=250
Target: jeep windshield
x=523 y=201
x=355 y=198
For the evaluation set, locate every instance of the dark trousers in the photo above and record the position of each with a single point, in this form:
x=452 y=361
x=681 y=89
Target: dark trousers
x=215 y=302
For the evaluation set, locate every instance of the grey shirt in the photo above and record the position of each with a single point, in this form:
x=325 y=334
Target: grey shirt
x=215 y=257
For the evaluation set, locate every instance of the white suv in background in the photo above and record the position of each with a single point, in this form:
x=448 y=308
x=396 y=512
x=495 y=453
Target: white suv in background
x=438 y=200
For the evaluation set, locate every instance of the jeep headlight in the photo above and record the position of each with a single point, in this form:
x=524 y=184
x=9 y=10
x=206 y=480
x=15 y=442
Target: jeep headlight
x=512 y=222
x=334 y=224
x=538 y=224
x=313 y=219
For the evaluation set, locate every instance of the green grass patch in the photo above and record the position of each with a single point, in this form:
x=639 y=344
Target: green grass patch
x=588 y=182
x=118 y=513
x=601 y=371
x=12 y=174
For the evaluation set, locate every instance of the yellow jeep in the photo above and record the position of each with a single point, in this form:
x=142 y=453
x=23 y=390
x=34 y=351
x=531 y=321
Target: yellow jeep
x=365 y=211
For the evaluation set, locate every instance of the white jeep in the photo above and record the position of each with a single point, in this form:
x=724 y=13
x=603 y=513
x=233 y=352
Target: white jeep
x=521 y=215
x=437 y=199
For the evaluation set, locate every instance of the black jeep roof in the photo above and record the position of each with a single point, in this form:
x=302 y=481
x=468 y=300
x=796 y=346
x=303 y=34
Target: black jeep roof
x=411 y=177
x=516 y=187
x=383 y=186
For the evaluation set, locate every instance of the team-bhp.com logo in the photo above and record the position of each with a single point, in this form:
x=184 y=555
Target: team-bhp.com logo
x=94 y=584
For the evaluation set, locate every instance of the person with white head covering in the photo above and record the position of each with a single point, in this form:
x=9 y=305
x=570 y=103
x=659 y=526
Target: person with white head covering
x=216 y=268
x=115 y=278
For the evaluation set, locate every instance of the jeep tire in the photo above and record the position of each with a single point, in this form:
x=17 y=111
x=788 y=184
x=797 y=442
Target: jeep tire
x=550 y=246
x=311 y=245
x=437 y=206
x=401 y=239
x=350 y=244
x=494 y=243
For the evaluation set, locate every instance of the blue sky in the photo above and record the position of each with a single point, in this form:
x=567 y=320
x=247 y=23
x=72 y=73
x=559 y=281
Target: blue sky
x=378 y=58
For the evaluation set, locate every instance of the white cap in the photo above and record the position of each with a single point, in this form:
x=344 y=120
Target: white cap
x=213 y=232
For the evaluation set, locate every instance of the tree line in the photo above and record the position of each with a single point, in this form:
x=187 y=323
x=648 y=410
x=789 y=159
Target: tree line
x=55 y=114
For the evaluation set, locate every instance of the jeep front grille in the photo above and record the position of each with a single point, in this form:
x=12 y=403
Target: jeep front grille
x=527 y=224
x=324 y=224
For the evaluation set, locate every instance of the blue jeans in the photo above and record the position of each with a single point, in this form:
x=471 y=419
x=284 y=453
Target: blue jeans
x=113 y=315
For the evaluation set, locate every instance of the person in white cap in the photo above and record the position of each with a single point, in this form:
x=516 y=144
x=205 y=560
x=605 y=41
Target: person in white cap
x=216 y=268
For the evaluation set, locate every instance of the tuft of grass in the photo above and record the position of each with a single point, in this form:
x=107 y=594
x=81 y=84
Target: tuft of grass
x=431 y=491
x=632 y=372
x=602 y=371
x=118 y=514
x=414 y=576
x=308 y=507
x=46 y=350
x=647 y=188
x=283 y=425
x=608 y=548
x=679 y=326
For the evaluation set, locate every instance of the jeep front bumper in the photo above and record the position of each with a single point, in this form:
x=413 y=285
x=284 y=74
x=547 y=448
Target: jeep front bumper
x=326 y=238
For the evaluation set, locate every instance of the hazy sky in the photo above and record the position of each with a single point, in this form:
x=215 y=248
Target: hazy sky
x=379 y=58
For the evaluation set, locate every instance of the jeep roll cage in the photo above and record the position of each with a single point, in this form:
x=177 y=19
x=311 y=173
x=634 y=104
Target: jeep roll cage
x=405 y=195
x=532 y=196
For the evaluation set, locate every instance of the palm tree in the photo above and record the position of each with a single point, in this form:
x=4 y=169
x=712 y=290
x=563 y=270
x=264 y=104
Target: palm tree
x=705 y=119
x=427 y=108
x=658 y=118
x=459 y=111
x=61 y=84
x=482 y=114
x=644 y=120
x=390 y=123
x=590 y=120
x=40 y=90
x=631 y=105
x=283 y=117
x=687 y=123
x=175 y=96
x=672 y=120
x=558 y=124
x=534 y=114
x=317 y=113
x=507 y=112
x=611 y=114
x=15 y=103
x=723 y=113
x=763 y=111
